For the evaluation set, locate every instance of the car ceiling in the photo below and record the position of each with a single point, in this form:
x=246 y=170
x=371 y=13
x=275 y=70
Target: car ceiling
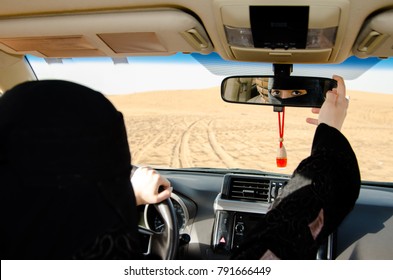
x=120 y=28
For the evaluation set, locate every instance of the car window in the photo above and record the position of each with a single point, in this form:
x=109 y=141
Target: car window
x=175 y=116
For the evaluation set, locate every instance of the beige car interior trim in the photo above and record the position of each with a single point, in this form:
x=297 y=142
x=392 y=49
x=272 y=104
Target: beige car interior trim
x=376 y=38
x=67 y=18
x=123 y=34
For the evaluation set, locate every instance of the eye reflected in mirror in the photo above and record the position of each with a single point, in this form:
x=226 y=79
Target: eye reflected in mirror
x=277 y=91
x=288 y=93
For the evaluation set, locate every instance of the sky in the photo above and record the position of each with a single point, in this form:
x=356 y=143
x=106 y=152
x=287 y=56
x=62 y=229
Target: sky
x=378 y=79
x=141 y=74
x=164 y=73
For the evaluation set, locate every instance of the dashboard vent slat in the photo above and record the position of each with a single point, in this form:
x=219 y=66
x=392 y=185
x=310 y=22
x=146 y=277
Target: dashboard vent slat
x=249 y=190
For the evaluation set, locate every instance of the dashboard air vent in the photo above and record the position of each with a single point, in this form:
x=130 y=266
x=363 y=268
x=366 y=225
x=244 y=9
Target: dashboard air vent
x=249 y=190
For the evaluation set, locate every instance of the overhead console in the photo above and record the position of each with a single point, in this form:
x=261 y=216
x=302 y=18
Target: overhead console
x=281 y=32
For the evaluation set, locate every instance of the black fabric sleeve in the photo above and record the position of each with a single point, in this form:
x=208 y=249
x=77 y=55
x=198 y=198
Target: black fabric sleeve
x=333 y=170
x=327 y=180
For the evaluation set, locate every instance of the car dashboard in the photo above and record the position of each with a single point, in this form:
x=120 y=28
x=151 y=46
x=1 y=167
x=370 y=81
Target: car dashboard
x=216 y=210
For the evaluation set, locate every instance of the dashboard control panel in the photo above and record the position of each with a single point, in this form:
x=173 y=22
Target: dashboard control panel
x=231 y=229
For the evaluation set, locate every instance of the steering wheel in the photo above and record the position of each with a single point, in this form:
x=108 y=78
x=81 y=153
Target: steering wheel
x=164 y=244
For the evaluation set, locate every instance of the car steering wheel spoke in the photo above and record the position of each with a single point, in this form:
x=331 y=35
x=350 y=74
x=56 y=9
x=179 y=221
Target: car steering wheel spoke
x=163 y=244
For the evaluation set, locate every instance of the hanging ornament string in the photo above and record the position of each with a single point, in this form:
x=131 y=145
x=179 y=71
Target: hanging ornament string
x=281 y=119
x=281 y=159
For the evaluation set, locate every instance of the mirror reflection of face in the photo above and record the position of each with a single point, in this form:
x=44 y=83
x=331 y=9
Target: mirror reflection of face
x=288 y=93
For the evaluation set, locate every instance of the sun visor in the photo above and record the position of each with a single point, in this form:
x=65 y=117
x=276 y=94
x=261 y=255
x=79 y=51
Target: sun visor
x=127 y=33
x=277 y=33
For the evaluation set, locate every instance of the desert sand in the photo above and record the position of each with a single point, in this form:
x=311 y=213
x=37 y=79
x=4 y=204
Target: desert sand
x=195 y=128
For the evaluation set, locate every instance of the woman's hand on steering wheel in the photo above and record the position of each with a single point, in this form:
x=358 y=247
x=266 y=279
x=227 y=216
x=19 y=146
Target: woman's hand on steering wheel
x=149 y=186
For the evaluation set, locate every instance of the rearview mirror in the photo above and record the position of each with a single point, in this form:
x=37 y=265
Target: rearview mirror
x=277 y=91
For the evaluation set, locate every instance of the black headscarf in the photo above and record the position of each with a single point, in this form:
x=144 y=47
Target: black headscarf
x=65 y=168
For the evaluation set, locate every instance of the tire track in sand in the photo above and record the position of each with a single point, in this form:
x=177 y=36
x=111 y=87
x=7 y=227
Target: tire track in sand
x=228 y=160
x=149 y=143
x=146 y=146
x=181 y=156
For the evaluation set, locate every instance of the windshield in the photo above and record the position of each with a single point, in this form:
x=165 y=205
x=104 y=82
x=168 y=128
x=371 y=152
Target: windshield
x=175 y=116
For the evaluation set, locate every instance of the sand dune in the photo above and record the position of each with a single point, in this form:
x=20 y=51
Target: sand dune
x=196 y=128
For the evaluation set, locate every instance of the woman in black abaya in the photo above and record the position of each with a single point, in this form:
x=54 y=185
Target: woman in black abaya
x=65 y=175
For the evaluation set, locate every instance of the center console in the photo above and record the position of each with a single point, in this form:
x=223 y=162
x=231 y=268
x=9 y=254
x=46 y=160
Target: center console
x=243 y=200
x=238 y=208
